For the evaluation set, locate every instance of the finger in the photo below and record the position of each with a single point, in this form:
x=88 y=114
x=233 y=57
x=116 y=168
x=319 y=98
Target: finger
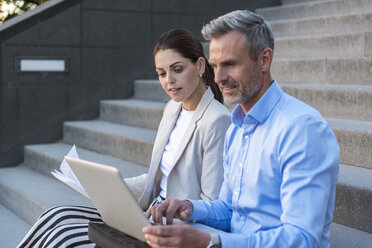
x=171 y=211
x=160 y=241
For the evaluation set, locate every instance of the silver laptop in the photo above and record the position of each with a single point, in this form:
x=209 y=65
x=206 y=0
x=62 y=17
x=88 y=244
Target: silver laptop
x=113 y=199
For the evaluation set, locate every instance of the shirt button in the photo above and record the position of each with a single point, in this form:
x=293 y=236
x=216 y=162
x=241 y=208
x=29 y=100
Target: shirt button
x=242 y=217
x=240 y=164
x=246 y=137
x=236 y=193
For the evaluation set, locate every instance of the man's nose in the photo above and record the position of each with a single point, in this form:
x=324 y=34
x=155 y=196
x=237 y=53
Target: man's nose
x=220 y=76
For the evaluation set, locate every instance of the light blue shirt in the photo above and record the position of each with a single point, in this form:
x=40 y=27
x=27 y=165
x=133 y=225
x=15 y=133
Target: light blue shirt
x=281 y=166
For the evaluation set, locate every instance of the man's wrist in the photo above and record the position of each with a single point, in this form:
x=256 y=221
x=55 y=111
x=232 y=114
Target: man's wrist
x=215 y=241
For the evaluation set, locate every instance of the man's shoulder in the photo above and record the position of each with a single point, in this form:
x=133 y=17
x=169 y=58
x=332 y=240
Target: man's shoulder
x=291 y=109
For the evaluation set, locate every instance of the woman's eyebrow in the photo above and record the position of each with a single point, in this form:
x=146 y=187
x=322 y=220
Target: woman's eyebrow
x=175 y=63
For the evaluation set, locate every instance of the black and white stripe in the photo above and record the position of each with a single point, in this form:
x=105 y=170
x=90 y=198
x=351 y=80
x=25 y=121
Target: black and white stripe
x=64 y=226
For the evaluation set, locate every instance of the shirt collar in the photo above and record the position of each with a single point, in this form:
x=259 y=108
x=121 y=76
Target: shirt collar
x=261 y=110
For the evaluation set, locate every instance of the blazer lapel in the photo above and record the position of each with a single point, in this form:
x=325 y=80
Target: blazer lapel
x=203 y=104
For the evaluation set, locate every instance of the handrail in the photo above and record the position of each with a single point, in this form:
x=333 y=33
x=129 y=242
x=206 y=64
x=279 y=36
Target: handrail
x=32 y=17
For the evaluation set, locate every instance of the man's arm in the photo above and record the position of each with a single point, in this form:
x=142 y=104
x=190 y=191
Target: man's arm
x=308 y=156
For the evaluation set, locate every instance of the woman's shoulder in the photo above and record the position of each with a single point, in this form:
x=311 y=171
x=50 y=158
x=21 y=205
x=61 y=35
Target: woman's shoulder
x=215 y=108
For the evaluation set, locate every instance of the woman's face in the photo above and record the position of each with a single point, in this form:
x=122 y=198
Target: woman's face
x=180 y=78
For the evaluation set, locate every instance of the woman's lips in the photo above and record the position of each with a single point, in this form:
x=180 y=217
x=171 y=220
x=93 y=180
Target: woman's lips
x=175 y=90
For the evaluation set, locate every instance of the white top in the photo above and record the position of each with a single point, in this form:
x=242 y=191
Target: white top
x=171 y=148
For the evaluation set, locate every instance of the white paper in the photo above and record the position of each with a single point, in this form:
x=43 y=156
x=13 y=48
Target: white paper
x=67 y=176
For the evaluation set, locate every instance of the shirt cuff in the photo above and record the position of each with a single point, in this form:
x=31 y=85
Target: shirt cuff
x=200 y=212
x=229 y=240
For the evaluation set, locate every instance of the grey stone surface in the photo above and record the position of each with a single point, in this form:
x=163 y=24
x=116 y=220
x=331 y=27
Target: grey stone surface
x=315 y=8
x=285 y=2
x=326 y=25
x=353 y=206
x=338 y=101
x=346 y=237
x=139 y=113
x=128 y=5
x=9 y=223
x=102 y=28
x=368 y=45
x=333 y=46
x=45 y=158
x=355 y=141
x=354 y=71
x=125 y=142
x=29 y=194
x=150 y=90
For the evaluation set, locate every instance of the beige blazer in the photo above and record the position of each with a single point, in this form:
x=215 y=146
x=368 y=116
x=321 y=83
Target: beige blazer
x=197 y=171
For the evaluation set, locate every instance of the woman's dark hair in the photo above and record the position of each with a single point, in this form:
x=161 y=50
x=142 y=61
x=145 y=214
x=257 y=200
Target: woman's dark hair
x=186 y=44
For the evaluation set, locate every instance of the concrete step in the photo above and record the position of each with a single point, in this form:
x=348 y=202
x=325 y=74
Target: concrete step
x=287 y=2
x=354 y=71
x=330 y=46
x=355 y=141
x=327 y=25
x=315 y=8
x=12 y=228
x=132 y=112
x=125 y=142
x=145 y=90
x=353 y=206
x=336 y=101
x=346 y=237
x=44 y=158
x=29 y=193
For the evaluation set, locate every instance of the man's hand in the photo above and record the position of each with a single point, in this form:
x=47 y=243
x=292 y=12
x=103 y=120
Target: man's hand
x=170 y=209
x=177 y=235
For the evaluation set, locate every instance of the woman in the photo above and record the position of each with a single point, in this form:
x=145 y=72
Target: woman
x=187 y=155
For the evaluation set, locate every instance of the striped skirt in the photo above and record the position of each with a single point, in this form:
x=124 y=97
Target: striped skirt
x=64 y=226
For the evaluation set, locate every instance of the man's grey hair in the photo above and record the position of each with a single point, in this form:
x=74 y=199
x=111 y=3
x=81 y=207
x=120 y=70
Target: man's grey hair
x=256 y=31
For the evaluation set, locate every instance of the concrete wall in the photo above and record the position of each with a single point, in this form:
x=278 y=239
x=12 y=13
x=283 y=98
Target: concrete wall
x=107 y=45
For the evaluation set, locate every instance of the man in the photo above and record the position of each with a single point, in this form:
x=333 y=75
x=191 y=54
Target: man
x=280 y=159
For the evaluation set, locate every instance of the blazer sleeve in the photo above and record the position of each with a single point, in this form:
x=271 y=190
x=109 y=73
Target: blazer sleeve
x=212 y=163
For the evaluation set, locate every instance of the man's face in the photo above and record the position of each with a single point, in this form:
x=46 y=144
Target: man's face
x=237 y=75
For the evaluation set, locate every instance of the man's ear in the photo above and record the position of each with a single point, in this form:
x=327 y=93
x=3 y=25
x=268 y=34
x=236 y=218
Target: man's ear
x=266 y=57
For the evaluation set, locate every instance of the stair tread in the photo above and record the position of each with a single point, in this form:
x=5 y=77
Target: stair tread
x=343 y=236
x=335 y=15
x=115 y=129
x=136 y=103
x=352 y=125
x=315 y=8
x=40 y=189
x=14 y=228
x=357 y=177
x=58 y=150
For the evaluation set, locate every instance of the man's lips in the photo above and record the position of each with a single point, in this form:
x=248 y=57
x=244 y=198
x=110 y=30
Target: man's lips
x=228 y=88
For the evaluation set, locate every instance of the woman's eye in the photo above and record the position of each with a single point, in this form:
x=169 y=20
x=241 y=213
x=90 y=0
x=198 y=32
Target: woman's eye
x=178 y=69
x=161 y=74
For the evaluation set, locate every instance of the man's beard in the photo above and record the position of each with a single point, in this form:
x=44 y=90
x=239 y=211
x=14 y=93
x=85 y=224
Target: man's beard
x=243 y=95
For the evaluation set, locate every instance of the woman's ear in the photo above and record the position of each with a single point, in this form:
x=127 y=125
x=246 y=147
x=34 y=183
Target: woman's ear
x=201 y=65
x=266 y=57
